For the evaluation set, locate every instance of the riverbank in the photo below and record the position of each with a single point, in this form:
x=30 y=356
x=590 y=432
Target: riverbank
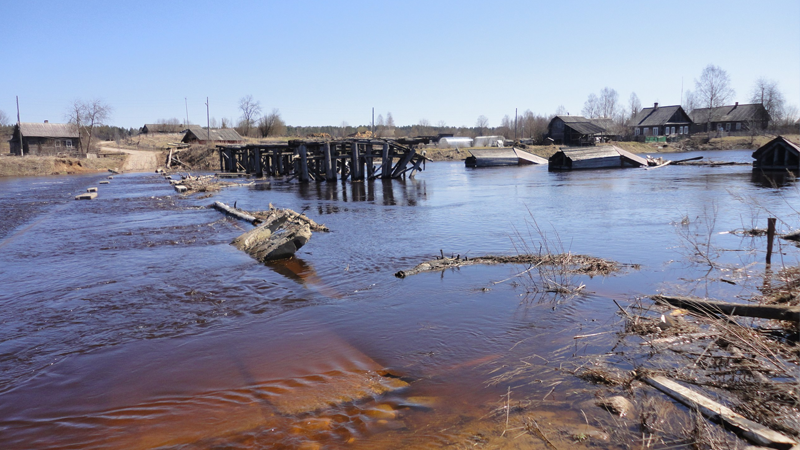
x=28 y=166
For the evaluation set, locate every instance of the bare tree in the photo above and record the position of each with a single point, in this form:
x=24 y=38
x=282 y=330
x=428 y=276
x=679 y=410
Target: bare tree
x=481 y=124
x=344 y=128
x=271 y=124
x=634 y=104
x=441 y=125
x=389 y=121
x=591 y=107
x=713 y=88
x=213 y=122
x=767 y=93
x=608 y=103
x=506 y=126
x=561 y=111
x=4 y=120
x=86 y=115
x=250 y=111
x=689 y=102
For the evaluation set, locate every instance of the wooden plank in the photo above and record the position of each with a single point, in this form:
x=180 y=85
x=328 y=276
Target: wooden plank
x=303 y=164
x=91 y=189
x=774 y=312
x=401 y=165
x=236 y=213
x=86 y=196
x=752 y=431
x=386 y=161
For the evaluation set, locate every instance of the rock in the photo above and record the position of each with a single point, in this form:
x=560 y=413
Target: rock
x=617 y=405
x=585 y=432
x=384 y=412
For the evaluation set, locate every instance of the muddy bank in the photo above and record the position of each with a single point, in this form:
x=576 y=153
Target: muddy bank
x=15 y=166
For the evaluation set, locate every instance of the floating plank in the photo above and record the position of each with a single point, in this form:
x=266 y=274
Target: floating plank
x=104 y=182
x=752 y=431
x=91 y=189
x=181 y=188
x=774 y=312
x=86 y=196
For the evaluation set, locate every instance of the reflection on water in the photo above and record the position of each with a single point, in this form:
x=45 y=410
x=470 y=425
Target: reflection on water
x=773 y=179
x=130 y=321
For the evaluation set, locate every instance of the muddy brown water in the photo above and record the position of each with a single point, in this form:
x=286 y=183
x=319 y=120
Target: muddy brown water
x=130 y=322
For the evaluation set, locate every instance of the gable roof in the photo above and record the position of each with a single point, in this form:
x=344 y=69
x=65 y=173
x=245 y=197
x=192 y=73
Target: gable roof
x=217 y=134
x=778 y=140
x=603 y=151
x=586 y=126
x=49 y=130
x=649 y=117
x=730 y=113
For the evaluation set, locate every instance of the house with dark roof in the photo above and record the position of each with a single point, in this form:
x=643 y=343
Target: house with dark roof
x=578 y=130
x=661 y=121
x=778 y=154
x=197 y=135
x=730 y=119
x=44 y=139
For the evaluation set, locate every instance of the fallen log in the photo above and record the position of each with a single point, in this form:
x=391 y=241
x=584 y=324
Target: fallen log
x=774 y=312
x=686 y=160
x=573 y=263
x=752 y=431
x=277 y=238
x=236 y=213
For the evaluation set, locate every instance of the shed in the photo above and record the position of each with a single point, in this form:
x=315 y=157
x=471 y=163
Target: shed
x=730 y=118
x=778 y=154
x=502 y=157
x=602 y=157
x=661 y=121
x=197 y=135
x=577 y=130
x=43 y=139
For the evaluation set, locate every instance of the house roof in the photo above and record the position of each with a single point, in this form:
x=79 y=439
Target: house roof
x=49 y=130
x=730 y=113
x=217 y=134
x=779 y=139
x=586 y=126
x=649 y=117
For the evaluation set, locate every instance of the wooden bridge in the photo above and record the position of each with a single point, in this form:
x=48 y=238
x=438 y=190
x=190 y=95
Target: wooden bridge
x=313 y=160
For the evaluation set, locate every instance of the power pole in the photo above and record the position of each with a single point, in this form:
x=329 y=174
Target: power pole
x=208 y=121
x=19 y=131
x=515 y=123
x=186 y=101
x=373 y=121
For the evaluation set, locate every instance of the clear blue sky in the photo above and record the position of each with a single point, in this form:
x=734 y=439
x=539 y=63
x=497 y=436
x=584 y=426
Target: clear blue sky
x=324 y=62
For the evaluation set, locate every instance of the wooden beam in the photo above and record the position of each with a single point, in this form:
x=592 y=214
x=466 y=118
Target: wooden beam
x=752 y=431
x=236 y=213
x=774 y=312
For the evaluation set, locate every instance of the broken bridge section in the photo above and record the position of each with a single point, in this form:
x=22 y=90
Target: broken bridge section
x=314 y=160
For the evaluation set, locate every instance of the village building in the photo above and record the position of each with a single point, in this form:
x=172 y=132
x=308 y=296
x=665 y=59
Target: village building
x=778 y=154
x=197 y=135
x=661 y=121
x=730 y=119
x=45 y=139
x=163 y=128
x=578 y=130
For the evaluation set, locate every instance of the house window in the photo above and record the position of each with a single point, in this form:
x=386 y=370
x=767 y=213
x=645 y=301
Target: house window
x=646 y=130
x=728 y=126
x=638 y=130
x=58 y=144
x=666 y=131
x=738 y=126
x=672 y=131
x=68 y=143
x=655 y=131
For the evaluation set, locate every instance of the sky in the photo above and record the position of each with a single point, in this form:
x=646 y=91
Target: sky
x=328 y=62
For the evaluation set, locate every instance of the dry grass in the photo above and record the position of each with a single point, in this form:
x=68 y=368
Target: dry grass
x=15 y=166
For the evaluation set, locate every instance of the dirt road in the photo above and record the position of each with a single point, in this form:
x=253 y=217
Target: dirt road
x=137 y=160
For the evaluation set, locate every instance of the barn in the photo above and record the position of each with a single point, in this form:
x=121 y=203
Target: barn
x=778 y=154
x=197 y=135
x=577 y=130
x=45 y=139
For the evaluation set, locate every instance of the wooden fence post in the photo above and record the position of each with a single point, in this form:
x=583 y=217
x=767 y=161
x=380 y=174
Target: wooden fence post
x=770 y=238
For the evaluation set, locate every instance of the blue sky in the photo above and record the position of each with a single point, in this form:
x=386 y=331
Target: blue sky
x=321 y=63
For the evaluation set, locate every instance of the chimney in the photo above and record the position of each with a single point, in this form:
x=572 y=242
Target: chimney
x=655 y=105
x=736 y=105
x=46 y=121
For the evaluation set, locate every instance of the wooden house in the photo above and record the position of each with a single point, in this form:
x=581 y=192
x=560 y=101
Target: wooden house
x=602 y=157
x=730 y=119
x=577 y=130
x=197 y=135
x=44 y=139
x=661 y=121
x=778 y=154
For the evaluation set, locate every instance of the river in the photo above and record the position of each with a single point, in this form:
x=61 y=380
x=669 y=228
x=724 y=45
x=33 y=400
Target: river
x=129 y=321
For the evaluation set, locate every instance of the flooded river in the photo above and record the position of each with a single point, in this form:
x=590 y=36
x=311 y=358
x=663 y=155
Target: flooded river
x=130 y=322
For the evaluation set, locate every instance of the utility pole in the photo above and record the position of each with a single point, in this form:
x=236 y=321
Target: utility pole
x=373 y=121
x=186 y=101
x=208 y=121
x=515 y=123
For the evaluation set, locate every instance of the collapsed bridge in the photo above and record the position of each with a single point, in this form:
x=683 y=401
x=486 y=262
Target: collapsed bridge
x=314 y=160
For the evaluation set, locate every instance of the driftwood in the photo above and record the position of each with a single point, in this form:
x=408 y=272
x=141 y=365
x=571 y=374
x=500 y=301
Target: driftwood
x=577 y=263
x=752 y=431
x=775 y=312
x=239 y=214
